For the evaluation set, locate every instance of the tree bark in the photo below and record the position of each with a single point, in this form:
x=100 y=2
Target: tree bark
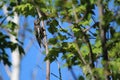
x=102 y=29
x=15 y=55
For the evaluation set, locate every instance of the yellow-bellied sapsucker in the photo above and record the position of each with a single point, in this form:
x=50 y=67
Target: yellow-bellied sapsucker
x=39 y=32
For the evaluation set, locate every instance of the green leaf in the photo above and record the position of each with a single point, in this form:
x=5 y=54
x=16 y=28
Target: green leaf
x=97 y=47
x=85 y=50
x=61 y=37
x=21 y=50
x=65 y=44
x=4 y=58
x=9 y=8
x=52 y=26
x=99 y=72
x=12 y=26
x=12 y=3
x=77 y=32
x=25 y=9
x=52 y=41
x=53 y=54
x=81 y=78
x=55 y=22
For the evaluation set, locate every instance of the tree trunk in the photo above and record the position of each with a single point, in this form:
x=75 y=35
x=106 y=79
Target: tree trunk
x=14 y=75
x=15 y=55
x=102 y=26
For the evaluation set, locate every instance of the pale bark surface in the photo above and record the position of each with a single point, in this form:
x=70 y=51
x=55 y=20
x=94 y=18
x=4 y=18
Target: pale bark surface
x=14 y=74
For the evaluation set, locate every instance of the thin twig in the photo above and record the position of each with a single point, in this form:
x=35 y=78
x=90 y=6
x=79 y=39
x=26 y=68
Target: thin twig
x=66 y=32
x=3 y=21
x=55 y=75
x=59 y=69
x=73 y=74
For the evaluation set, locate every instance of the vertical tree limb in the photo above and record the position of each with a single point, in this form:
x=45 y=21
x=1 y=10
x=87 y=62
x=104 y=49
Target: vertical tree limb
x=102 y=31
x=15 y=54
x=103 y=38
x=90 y=50
x=46 y=45
x=80 y=54
x=59 y=69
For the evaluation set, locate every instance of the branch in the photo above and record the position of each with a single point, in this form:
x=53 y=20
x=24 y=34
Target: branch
x=77 y=46
x=55 y=75
x=73 y=73
x=59 y=69
x=46 y=43
x=66 y=32
x=102 y=31
x=60 y=77
x=93 y=26
x=91 y=52
x=46 y=47
x=80 y=54
x=3 y=21
x=103 y=38
x=86 y=40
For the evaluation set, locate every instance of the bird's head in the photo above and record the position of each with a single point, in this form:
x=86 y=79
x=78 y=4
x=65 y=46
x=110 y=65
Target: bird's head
x=37 y=22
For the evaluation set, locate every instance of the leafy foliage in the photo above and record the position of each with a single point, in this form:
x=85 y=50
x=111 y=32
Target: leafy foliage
x=25 y=9
x=5 y=43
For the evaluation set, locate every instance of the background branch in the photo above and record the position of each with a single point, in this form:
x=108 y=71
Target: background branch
x=103 y=38
x=3 y=21
x=88 y=43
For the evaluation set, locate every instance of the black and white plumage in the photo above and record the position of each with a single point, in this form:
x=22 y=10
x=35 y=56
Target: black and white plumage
x=39 y=31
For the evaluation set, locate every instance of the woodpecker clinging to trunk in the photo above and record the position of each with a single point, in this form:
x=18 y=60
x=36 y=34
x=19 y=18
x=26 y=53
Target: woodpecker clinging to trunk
x=39 y=32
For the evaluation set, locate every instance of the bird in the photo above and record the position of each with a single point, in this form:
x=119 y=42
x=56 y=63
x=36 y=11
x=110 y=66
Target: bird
x=39 y=32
